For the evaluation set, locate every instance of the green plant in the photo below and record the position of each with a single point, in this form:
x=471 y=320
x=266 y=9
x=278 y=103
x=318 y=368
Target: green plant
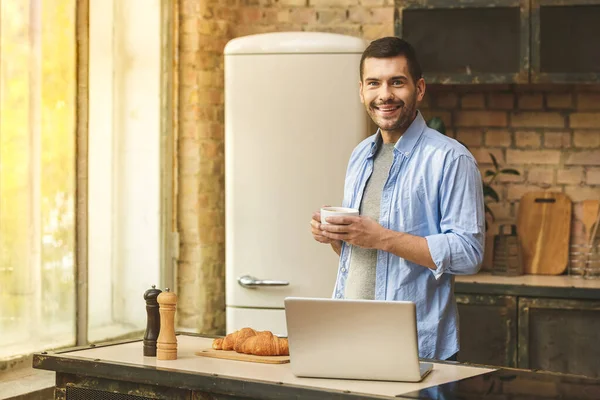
x=489 y=176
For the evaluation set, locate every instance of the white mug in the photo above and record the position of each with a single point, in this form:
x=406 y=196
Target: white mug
x=337 y=212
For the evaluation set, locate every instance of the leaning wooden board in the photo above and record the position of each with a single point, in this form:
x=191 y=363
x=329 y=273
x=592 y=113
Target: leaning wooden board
x=544 y=229
x=232 y=355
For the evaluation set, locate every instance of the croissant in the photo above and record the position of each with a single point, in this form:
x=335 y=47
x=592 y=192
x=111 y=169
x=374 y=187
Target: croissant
x=265 y=344
x=242 y=336
x=233 y=340
x=218 y=344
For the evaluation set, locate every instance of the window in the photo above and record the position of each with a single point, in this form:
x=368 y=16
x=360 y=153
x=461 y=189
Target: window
x=37 y=175
x=124 y=246
x=126 y=179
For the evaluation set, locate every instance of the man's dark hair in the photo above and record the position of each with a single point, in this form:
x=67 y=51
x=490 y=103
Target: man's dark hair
x=392 y=46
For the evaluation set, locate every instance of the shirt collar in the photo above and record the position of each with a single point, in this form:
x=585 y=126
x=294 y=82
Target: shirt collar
x=407 y=141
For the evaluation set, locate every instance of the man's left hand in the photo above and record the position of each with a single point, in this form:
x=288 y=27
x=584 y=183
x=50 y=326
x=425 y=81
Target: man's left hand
x=359 y=231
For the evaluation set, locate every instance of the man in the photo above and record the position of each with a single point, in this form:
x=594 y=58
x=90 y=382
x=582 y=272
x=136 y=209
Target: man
x=421 y=204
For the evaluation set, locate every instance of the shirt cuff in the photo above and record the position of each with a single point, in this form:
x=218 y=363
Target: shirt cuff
x=440 y=253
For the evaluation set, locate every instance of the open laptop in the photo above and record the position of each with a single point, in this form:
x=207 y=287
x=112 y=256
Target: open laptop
x=354 y=339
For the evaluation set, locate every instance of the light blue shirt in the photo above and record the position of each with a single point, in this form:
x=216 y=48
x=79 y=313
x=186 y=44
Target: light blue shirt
x=433 y=190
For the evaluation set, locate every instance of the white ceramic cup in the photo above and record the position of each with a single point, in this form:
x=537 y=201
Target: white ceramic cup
x=337 y=212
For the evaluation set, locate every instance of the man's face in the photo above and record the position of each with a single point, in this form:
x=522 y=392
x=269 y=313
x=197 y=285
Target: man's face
x=389 y=93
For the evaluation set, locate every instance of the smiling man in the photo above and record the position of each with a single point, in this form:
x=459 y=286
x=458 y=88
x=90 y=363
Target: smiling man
x=421 y=204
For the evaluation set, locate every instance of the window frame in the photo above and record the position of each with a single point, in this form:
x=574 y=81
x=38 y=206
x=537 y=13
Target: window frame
x=168 y=122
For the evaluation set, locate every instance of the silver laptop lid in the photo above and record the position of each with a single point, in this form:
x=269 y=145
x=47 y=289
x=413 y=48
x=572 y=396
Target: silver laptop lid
x=353 y=339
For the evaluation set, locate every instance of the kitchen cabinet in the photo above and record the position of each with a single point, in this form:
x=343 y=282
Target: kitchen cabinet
x=546 y=323
x=488 y=329
x=475 y=41
x=503 y=41
x=559 y=335
x=564 y=46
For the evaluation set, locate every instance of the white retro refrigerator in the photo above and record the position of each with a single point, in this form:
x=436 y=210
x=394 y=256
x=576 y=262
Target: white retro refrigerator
x=292 y=118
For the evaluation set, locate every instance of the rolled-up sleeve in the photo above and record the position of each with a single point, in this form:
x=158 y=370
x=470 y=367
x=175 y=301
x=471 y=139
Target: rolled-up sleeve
x=458 y=248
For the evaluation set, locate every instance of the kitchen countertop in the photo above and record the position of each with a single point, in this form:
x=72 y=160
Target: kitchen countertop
x=561 y=286
x=227 y=379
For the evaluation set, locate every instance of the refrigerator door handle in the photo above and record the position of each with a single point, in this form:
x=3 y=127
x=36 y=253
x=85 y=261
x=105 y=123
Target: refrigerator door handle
x=251 y=282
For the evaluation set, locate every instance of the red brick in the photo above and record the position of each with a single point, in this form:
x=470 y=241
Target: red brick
x=586 y=138
x=516 y=192
x=570 y=176
x=331 y=3
x=472 y=100
x=557 y=140
x=537 y=120
x=530 y=101
x=498 y=138
x=591 y=157
x=559 y=100
x=470 y=137
x=580 y=193
x=331 y=16
x=303 y=15
x=283 y=15
x=446 y=100
x=482 y=155
x=189 y=25
x=541 y=176
x=375 y=31
x=593 y=176
x=588 y=101
x=528 y=139
x=585 y=120
x=382 y=15
x=481 y=118
x=293 y=3
x=374 y=3
x=501 y=101
x=549 y=157
x=358 y=14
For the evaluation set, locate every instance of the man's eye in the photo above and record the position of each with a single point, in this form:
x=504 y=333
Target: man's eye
x=372 y=83
x=397 y=83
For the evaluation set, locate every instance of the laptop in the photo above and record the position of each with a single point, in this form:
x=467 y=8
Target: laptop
x=354 y=339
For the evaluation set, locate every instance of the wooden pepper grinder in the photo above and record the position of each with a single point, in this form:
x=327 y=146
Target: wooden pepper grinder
x=153 y=321
x=167 y=341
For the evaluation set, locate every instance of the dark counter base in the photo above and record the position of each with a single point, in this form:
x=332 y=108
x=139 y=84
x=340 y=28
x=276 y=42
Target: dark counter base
x=512 y=384
x=527 y=291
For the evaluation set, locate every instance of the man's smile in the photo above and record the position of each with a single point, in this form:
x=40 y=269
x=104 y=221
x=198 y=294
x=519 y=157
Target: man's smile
x=387 y=109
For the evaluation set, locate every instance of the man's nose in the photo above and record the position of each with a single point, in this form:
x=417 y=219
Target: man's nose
x=386 y=93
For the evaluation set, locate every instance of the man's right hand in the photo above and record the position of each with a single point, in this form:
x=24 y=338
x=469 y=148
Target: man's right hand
x=315 y=225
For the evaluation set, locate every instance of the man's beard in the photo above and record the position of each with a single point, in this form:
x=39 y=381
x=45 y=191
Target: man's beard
x=402 y=121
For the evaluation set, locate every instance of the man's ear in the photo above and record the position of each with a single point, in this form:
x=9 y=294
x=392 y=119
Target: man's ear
x=420 y=89
x=360 y=93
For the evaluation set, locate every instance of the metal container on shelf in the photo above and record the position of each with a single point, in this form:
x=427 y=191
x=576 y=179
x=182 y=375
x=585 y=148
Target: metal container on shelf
x=507 y=259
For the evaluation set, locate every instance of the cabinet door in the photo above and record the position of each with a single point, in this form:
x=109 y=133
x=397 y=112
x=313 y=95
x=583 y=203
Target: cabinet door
x=560 y=335
x=488 y=329
x=564 y=41
x=470 y=41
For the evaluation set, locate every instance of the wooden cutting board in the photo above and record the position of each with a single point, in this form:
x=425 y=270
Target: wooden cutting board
x=232 y=355
x=544 y=229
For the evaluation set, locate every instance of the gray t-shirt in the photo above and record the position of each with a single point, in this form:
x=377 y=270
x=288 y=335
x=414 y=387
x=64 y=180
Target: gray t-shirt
x=360 y=283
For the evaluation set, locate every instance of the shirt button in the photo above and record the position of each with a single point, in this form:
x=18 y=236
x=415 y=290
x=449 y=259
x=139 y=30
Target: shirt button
x=343 y=269
x=406 y=154
x=339 y=296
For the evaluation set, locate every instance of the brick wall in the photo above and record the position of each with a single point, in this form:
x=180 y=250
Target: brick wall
x=551 y=134
x=204 y=27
